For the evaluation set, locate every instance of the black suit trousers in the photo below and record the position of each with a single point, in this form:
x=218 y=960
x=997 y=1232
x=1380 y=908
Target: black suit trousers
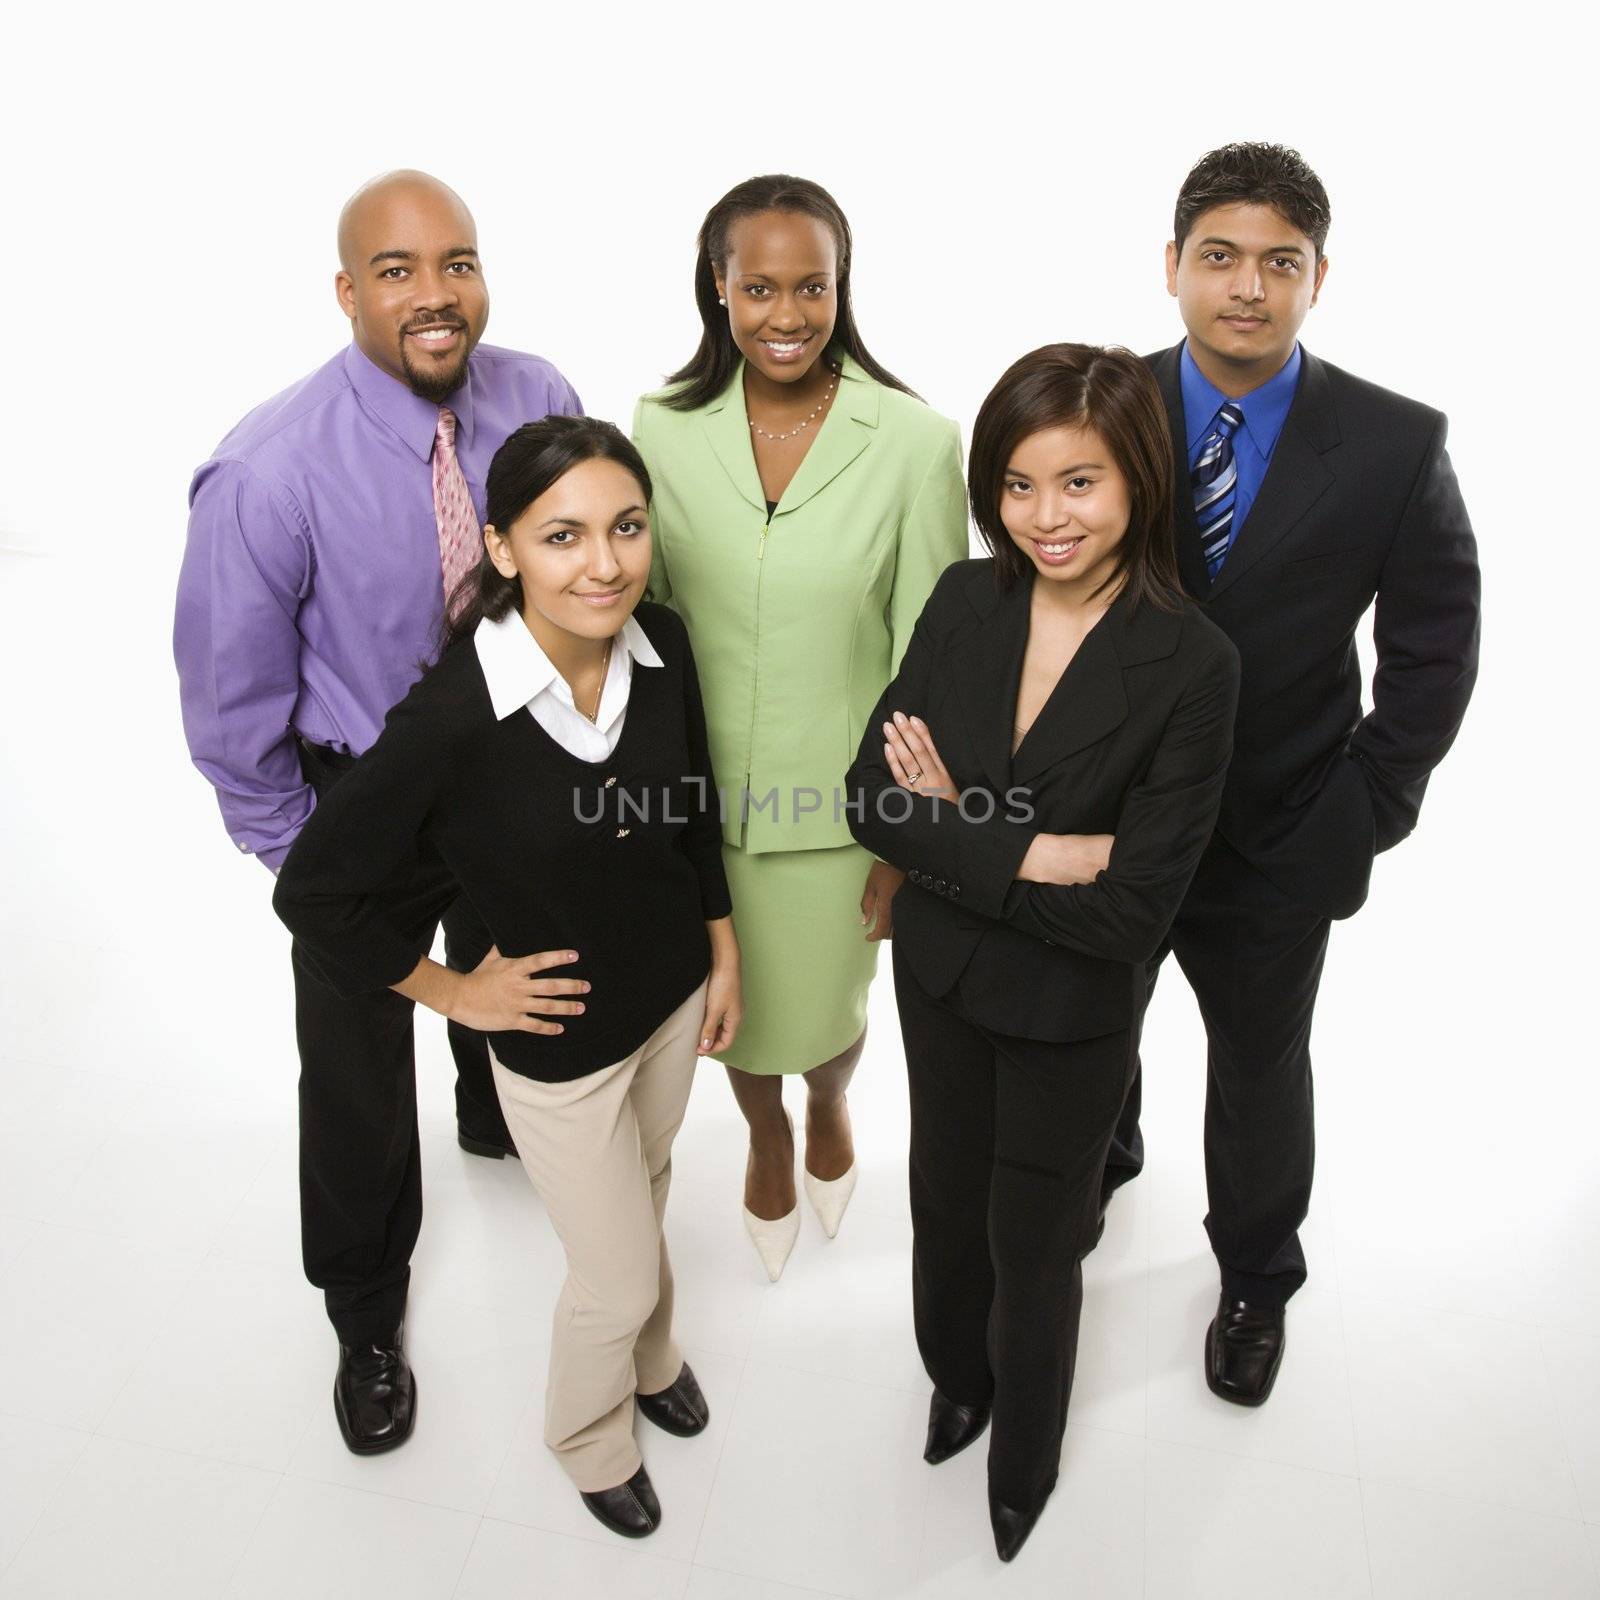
x=1253 y=956
x=360 y=1157
x=1008 y=1147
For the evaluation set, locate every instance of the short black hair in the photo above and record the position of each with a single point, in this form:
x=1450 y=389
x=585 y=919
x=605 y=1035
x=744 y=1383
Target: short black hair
x=1259 y=174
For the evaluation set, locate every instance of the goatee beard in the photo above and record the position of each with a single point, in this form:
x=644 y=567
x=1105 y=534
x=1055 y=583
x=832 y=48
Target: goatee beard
x=434 y=387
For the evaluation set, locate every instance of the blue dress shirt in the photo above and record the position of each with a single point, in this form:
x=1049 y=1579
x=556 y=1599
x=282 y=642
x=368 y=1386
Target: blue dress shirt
x=1265 y=411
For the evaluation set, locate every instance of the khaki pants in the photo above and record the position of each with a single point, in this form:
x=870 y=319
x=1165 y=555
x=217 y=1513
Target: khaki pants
x=599 y=1152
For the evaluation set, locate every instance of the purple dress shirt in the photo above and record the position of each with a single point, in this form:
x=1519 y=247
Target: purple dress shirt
x=311 y=595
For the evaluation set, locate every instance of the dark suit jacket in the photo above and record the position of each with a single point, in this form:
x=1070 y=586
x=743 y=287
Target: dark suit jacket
x=1133 y=740
x=1359 y=503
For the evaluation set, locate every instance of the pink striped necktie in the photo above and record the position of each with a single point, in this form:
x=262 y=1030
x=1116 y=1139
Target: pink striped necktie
x=460 y=537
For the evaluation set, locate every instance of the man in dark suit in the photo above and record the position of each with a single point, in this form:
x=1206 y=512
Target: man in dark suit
x=1304 y=497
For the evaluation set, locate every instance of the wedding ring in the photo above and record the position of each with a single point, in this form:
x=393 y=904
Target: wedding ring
x=911 y=779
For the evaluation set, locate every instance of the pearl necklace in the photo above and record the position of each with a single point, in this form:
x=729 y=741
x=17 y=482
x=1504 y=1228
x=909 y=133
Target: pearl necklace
x=777 y=438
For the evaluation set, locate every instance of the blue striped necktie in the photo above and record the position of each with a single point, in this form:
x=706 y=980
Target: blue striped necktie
x=1215 y=480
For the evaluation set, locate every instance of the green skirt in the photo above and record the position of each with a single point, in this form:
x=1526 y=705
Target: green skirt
x=806 y=961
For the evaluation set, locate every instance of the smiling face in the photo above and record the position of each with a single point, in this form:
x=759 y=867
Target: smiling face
x=1066 y=506
x=582 y=551
x=411 y=283
x=781 y=284
x=1244 y=280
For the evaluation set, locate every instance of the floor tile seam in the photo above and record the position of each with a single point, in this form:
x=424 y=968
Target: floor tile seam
x=83 y=1444
x=238 y=1205
x=1234 y=1454
x=528 y=1403
x=381 y=1494
x=1355 y=1444
x=163 y=1323
x=102 y=1431
x=716 y=1469
x=466 y=1559
x=1257 y=1460
x=187 y=1455
x=1444 y=1311
x=832 y=1377
x=248 y=1542
x=1482 y=1501
x=1548 y=1364
x=799 y=1588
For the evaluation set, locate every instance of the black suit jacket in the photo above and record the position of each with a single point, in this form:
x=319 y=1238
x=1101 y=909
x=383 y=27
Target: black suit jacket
x=1359 y=504
x=1133 y=740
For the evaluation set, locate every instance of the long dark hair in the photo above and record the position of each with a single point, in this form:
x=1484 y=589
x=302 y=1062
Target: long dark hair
x=711 y=368
x=1109 y=389
x=538 y=455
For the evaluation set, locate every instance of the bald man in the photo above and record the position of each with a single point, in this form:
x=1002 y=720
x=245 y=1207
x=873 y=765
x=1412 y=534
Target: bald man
x=324 y=534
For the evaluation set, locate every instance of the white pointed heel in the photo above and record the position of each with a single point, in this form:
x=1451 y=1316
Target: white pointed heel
x=773 y=1240
x=829 y=1197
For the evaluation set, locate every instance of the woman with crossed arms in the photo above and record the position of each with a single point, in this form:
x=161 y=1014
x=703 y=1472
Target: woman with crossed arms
x=1046 y=767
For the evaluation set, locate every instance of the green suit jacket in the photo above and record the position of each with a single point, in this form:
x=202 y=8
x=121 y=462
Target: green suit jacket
x=798 y=626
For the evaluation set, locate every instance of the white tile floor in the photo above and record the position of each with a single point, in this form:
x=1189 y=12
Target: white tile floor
x=165 y=1429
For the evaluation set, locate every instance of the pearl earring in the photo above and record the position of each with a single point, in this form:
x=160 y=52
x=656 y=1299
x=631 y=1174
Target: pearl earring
x=721 y=301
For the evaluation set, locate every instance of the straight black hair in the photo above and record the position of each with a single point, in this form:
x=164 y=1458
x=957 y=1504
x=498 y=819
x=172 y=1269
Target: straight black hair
x=1112 y=391
x=536 y=457
x=711 y=368
x=1255 y=174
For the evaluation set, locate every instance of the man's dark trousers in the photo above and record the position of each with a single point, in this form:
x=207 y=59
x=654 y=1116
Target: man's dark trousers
x=360 y=1156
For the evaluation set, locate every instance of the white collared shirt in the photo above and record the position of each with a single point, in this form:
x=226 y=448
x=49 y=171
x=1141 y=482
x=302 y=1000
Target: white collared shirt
x=520 y=676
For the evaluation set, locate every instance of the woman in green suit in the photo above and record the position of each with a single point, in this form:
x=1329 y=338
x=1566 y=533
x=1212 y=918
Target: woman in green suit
x=805 y=503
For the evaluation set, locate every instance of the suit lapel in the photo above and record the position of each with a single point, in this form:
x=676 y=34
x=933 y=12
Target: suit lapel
x=1297 y=476
x=1191 y=563
x=1088 y=702
x=727 y=429
x=988 y=669
x=846 y=431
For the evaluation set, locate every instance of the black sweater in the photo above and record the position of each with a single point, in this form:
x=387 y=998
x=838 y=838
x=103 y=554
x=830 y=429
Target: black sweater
x=620 y=860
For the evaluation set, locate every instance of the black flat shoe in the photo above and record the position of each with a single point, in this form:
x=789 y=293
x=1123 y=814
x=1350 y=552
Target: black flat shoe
x=1244 y=1349
x=630 y=1509
x=951 y=1428
x=680 y=1408
x=374 y=1396
x=494 y=1146
x=1011 y=1527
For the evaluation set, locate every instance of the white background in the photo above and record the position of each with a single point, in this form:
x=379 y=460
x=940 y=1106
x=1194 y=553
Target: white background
x=172 y=183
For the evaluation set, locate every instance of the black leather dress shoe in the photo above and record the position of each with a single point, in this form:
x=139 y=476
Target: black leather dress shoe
x=374 y=1395
x=1244 y=1348
x=492 y=1145
x=680 y=1408
x=630 y=1509
x=951 y=1428
x=1011 y=1527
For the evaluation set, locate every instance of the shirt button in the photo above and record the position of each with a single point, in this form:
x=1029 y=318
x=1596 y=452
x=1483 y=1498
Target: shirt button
x=244 y=849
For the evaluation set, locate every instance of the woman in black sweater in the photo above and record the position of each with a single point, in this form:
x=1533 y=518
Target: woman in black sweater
x=1046 y=768
x=552 y=768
